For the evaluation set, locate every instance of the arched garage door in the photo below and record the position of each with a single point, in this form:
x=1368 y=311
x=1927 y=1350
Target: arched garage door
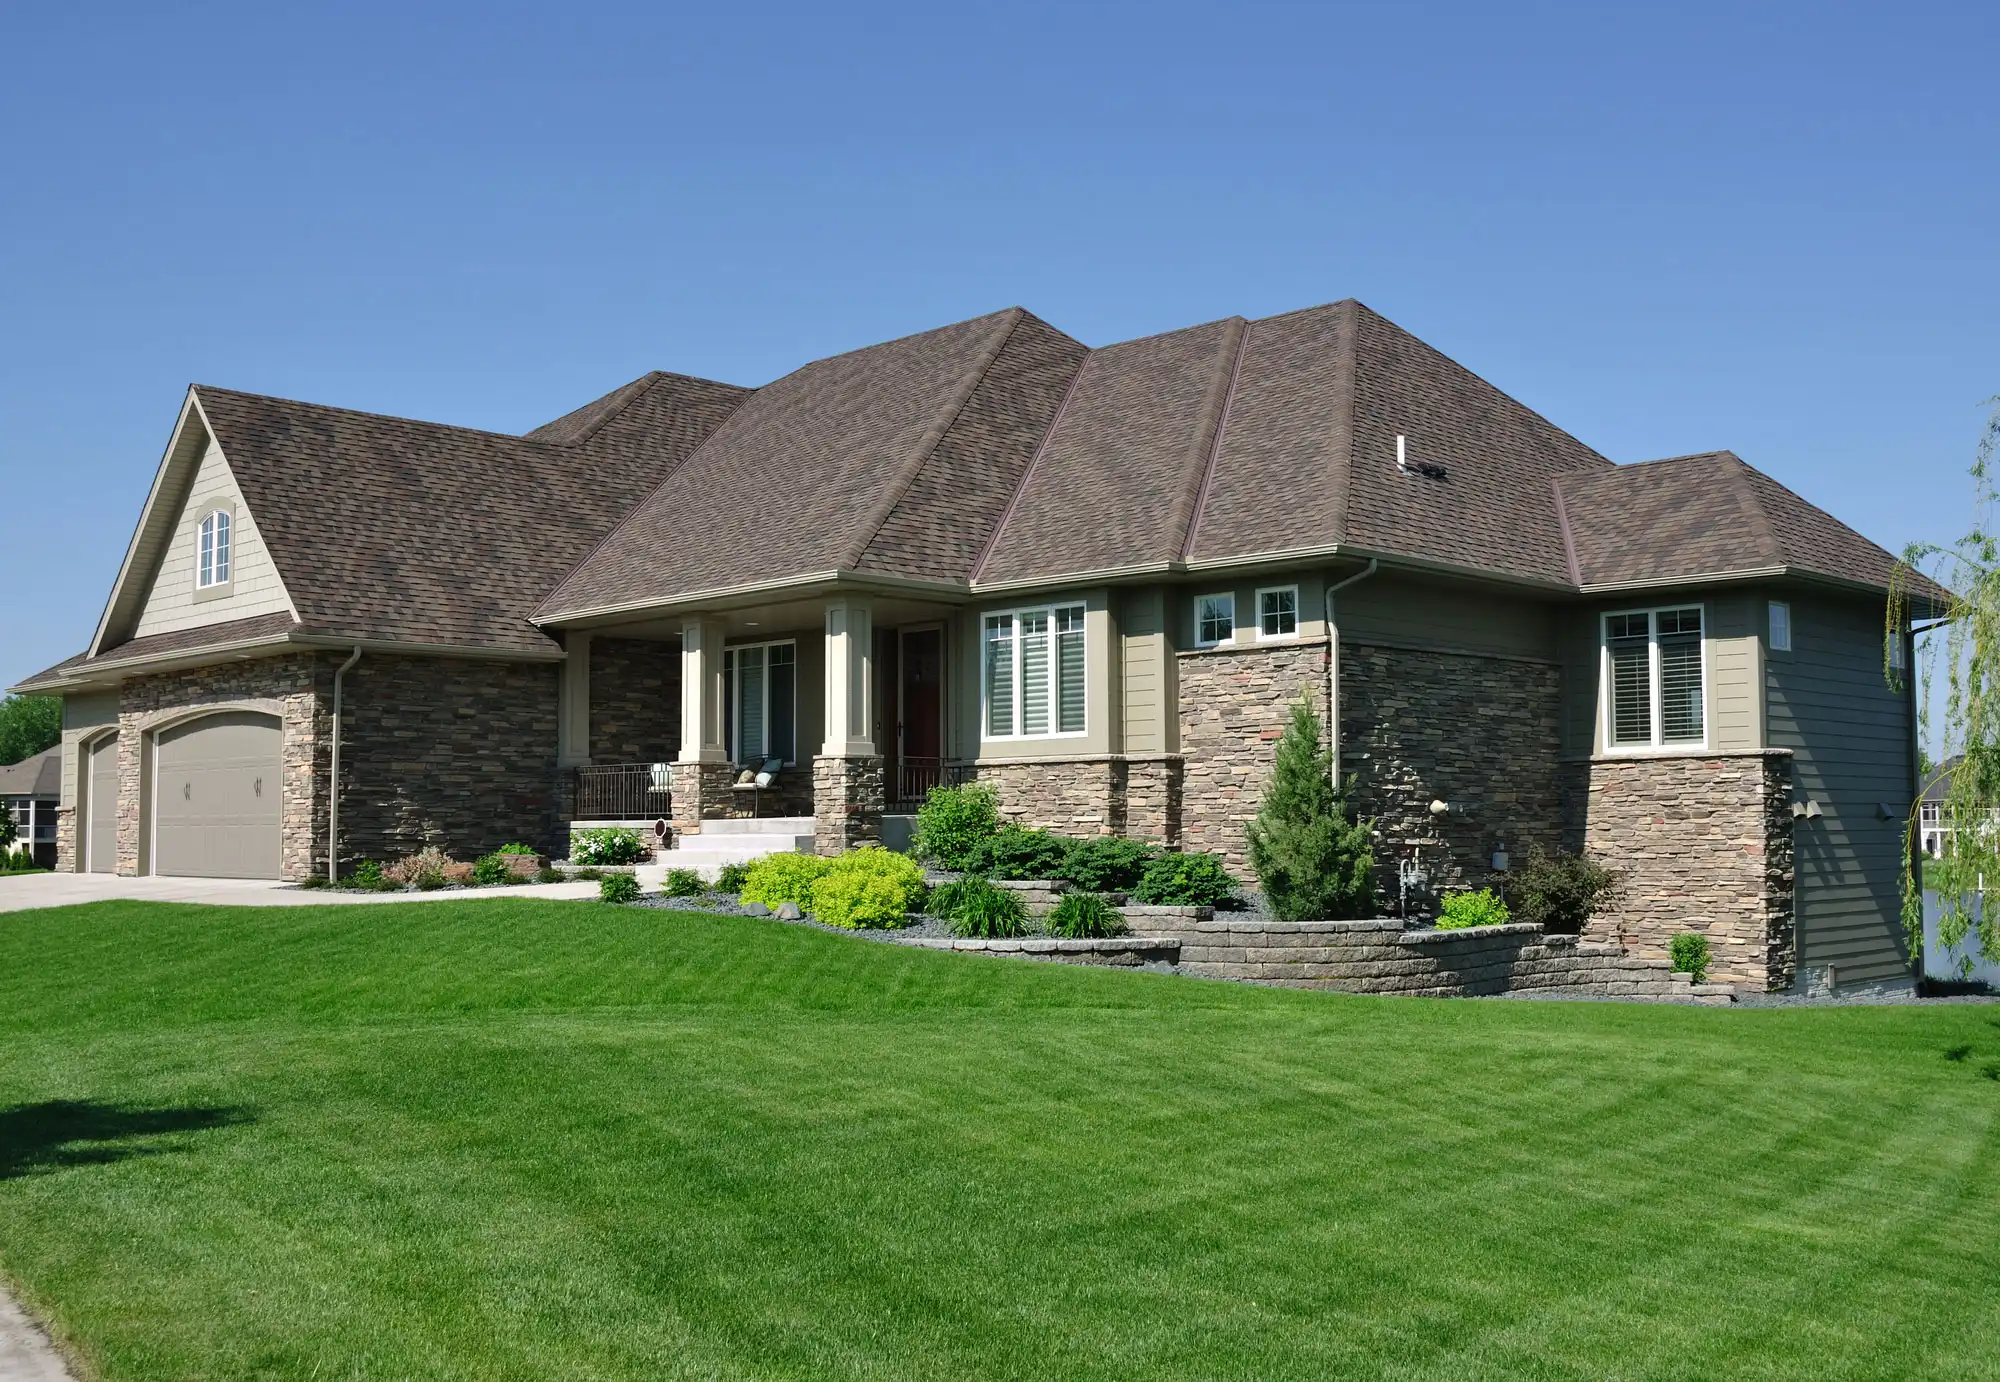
x=217 y=800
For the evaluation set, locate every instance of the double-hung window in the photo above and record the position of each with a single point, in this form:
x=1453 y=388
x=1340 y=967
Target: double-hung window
x=1278 y=612
x=1032 y=672
x=1214 y=619
x=212 y=568
x=1653 y=664
x=759 y=700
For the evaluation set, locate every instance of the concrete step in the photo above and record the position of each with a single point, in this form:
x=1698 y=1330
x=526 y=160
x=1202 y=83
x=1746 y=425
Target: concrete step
x=708 y=860
x=761 y=825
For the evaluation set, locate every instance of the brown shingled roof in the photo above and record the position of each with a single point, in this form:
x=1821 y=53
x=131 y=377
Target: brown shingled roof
x=256 y=629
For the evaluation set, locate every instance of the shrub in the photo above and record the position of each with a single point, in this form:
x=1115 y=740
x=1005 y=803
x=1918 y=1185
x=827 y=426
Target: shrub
x=491 y=872
x=608 y=844
x=1017 y=853
x=683 y=883
x=1185 y=880
x=367 y=874
x=1085 y=916
x=1107 y=863
x=517 y=848
x=587 y=875
x=1560 y=892
x=1312 y=859
x=545 y=874
x=974 y=907
x=954 y=821
x=780 y=878
x=868 y=887
x=411 y=871
x=9 y=832
x=618 y=887
x=730 y=877
x=1689 y=951
x=1483 y=908
x=311 y=880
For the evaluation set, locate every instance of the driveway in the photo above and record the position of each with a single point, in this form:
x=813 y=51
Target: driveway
x=21 y=891
x=25 y=1352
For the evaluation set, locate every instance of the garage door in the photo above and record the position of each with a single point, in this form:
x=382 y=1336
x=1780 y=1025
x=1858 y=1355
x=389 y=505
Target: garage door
x=216 y=813
x=100 y=847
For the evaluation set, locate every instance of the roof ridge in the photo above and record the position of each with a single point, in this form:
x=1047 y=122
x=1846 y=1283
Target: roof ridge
x=1753 y=507
x=1197 y=505
x=1346 y=371
x=906 y=336
x=1569 y=538
x=1028 y=473
x=1688 y=456
x=906 y=473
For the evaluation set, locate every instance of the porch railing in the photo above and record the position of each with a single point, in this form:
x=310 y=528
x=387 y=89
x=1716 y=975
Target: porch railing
x=916 y=776
x=621 y=792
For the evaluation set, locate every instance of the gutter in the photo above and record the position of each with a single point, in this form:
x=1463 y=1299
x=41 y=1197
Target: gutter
x=333 y=779
x=1333 y=664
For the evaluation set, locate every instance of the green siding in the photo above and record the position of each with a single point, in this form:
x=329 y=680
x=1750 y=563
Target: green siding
x=1850 y=738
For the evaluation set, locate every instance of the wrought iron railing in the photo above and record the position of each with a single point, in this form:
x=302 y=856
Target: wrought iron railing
x=916 y=776
x=622 y=792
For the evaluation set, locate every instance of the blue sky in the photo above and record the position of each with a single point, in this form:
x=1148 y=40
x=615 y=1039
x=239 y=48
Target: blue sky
x=1668 y=228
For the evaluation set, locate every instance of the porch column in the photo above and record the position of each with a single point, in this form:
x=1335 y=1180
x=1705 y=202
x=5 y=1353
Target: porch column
x=702 y=776
x=847 y=775
x=573 y=702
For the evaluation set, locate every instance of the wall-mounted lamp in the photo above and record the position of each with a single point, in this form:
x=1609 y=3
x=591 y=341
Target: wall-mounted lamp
x=1440 y=808
x=1499 y=856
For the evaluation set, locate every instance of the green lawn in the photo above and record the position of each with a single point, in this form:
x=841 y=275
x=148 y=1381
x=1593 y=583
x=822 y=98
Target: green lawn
x=515 y=1139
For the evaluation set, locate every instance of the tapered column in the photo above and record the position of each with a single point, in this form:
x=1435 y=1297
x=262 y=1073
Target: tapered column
x=701 y=693
x=850 y=655
x=573 y=702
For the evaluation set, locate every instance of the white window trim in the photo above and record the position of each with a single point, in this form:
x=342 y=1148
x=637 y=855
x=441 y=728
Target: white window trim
x=1297 y=614
x=1228 y=595
x=1772 y=616
x=1659 y=747
x=206 y=526
x=730 y=651
x=1055 y=707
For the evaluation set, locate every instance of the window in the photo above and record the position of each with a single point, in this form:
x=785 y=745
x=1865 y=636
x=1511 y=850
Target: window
x=1032 y=672
x=1278 y=612
x=1781 y=627
x=213 y=566
x=1653 y=678
x=759 y=685
x=1214 y=619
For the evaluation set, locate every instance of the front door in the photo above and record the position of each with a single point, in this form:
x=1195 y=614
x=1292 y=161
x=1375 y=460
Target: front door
x=920 y=712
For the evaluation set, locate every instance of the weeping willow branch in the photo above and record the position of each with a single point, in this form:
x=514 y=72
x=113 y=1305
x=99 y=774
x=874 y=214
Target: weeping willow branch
x=1963 y=658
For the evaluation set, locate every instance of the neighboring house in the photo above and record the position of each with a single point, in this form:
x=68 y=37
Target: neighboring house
x=1932 y=829
x=1096 y=578
x=31 y=793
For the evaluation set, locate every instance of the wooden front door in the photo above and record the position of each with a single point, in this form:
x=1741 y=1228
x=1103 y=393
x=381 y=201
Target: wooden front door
x=919 y=713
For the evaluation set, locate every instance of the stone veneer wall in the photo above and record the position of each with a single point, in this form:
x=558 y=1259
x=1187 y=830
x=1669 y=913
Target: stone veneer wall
x=1482 y=734
x=1234 y=705
x=1704 y=844
x=65 y=839
x=635 y=701
x=298 y=688
x=847 y=803
x=701 y=792
x=1090 y=794
x=455 y=753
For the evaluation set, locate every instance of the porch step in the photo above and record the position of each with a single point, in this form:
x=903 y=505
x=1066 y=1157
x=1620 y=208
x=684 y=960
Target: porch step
x=708 y=859
x=761 y=825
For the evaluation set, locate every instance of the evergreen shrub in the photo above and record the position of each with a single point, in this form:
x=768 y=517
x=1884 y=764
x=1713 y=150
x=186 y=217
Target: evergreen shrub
x=1312 y=858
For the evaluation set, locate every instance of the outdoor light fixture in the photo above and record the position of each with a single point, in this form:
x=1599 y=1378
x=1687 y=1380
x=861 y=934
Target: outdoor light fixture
x=1499 y=856
x=1439 y=808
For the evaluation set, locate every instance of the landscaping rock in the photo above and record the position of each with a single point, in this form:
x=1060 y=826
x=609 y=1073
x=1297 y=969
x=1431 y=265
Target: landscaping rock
x=756 y=909
x=789 y=911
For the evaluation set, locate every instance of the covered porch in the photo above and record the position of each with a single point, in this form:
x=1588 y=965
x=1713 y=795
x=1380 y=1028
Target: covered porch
x=825 y=717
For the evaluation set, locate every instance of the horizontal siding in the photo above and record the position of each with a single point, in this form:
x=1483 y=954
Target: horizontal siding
x=1735 y=690
x=254 y=584
x=1145 y=728
x=1398 y=612
x=1850 y=738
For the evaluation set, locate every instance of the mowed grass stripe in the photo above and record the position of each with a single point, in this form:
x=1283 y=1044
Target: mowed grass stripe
x=512 y=1139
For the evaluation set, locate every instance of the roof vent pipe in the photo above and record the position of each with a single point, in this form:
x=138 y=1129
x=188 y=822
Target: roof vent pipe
x=1333 y=659
x=1402 y=454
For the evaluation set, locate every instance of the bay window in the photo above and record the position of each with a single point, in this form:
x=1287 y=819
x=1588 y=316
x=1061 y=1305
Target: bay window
x=759 y=702
x=1653 y=679
x=1032 y=676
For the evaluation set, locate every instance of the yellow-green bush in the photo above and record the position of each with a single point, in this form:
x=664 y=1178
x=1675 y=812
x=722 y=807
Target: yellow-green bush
x=780 y=878
x=868 y=887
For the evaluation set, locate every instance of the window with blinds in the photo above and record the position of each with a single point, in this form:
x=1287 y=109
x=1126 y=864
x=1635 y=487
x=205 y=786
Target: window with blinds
x=1032 y=672
x=759 y=702
x=1653 y=678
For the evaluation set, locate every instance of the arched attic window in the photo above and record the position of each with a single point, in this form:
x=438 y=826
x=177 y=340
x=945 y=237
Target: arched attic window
x=213 y=566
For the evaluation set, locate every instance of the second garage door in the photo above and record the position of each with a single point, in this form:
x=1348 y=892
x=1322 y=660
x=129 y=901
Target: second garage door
x=218 y=798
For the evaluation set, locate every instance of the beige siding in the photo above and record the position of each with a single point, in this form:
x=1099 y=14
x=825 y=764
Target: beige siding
x=83 y=717
x=1103 y=681
x=1850 y=737
x=254 y=588
x=1180 y=601
x=1150 y=724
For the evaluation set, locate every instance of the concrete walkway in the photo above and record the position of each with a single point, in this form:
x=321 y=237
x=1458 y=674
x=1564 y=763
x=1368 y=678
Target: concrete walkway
x=26 y=1355
x=21 y=891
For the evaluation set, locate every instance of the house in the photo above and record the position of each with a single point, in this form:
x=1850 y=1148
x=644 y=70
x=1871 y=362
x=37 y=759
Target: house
x=30 y=794
x=1094 y=577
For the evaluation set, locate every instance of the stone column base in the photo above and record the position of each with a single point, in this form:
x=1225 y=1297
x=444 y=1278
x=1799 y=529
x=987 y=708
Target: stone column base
x=847 y=804
x=701 y=793
x=66 y=839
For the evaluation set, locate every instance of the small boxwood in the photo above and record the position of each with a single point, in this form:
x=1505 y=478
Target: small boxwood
x=1017 y=853
x=1462 y=910
x=618 y=887
x=1108 y=863
x=683 y=883
x=1186 y=880
x=1690 y=954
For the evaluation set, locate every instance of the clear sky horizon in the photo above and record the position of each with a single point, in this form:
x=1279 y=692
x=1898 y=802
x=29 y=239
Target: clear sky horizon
x=1668 y=229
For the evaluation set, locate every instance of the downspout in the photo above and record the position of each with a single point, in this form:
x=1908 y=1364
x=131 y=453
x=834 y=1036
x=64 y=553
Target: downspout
x=1333 y=664
x=333 y=778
